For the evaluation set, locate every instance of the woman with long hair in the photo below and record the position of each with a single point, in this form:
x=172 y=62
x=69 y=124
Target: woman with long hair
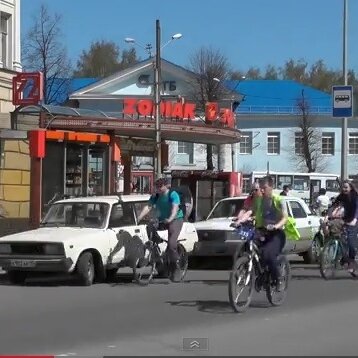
x=346 y=207
x=246 y=211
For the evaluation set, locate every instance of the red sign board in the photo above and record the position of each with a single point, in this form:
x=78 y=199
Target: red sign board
x=179 y=110
x=27 y=88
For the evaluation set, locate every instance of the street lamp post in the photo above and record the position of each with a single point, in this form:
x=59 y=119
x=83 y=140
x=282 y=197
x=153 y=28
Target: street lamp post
x=345 y=75
x=233 y=145
x=158 y=137
x=156 y=89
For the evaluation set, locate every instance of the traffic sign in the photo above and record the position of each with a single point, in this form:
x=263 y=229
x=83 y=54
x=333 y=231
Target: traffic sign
x=342 y=101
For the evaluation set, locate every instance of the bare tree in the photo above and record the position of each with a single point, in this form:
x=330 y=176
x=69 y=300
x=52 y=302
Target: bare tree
x=43 y=51
x=211 y=68
x=307 y=154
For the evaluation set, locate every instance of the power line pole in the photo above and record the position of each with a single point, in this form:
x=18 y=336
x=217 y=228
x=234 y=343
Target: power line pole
x=344 y=152
x=158 y=138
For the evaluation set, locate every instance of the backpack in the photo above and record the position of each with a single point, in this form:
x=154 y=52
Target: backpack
x=186 y=199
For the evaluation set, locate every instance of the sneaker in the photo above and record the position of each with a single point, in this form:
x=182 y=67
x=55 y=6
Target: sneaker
x=352 y=267
x=279 y=285
x=175 y=273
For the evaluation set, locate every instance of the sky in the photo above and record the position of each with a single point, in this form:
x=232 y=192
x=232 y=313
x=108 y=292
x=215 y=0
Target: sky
x=249 y=33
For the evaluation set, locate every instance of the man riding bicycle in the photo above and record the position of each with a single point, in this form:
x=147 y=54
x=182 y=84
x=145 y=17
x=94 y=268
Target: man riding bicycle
x=167 y=202
x=271 y=216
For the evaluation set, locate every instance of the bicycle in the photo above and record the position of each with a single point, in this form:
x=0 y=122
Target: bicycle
x=155 y=260
x=334 y=250
x=248 y=271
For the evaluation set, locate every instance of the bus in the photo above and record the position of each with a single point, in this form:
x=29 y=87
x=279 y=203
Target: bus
x=303 y=185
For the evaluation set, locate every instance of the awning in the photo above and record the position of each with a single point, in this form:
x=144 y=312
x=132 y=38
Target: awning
x=195 y=131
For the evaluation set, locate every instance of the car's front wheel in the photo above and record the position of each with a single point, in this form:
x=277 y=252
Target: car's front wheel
x=312 y=255
x=85 y=269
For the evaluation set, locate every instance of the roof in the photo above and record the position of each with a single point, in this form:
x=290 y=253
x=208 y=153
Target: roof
x=109 y=199
x=96 y=88
x=279 y=97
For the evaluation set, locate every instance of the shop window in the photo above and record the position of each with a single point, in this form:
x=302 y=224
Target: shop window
x=95 y=171
x=185 y=153
x=74 y=170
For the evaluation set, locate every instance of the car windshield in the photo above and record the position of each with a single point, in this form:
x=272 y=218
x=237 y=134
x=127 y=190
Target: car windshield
x=77 y=214
x=227 y=208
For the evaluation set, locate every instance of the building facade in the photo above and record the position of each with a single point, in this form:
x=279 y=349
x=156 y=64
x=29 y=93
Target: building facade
x=14 y=152
x=10 y=55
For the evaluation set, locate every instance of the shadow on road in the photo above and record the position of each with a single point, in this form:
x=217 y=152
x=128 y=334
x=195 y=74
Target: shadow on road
x=210 y=306
x=208 y=282
x=215 y=306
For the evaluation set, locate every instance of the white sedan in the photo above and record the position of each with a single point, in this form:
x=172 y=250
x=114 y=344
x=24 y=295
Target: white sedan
x=90 y=237
x=218 y=239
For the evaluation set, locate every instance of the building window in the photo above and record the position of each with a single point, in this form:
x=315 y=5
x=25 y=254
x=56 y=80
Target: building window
x=185 y=153
x=273 y=143
x=4 y=27
x=245 y=145
x=298 y=143
x=353 y=143
x=328 y=143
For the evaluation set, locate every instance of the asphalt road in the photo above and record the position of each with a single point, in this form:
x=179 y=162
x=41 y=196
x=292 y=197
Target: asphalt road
x=318 y=318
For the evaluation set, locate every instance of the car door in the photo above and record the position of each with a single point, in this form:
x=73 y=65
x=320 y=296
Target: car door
x=122 y=218
x=303 y=223
x=142 y=226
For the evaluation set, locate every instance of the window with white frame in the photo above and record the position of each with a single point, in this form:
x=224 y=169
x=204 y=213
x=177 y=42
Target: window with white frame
x=245 y=145
x=328 y=143
x=273 y=143
x=185 y=153
x=4 y=28
x=353 y=143
x=298 y=143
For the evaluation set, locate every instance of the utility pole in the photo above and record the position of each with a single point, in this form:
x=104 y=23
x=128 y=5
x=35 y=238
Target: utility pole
x=157 y=75
x=344 y=152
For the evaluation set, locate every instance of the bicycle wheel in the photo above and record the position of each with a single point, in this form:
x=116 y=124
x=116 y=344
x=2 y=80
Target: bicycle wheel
x=144 y=269
x=329 y=259
x=241 y=278
x=274 y=295
x=183 y=261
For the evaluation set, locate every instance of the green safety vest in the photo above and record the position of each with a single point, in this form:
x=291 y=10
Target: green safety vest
x=290 y=229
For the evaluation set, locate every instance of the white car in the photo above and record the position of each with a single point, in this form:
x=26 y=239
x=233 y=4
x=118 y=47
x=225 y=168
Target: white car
x=79 y=236
x=218 y=239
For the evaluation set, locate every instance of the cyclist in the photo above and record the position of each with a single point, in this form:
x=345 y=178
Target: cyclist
x=167 y=202
x=271 y=215
x=346 y=206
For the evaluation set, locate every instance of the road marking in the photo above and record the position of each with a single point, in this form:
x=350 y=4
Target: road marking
x=111 y=346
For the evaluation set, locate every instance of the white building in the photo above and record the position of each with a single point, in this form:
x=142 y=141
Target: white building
x=10 y=55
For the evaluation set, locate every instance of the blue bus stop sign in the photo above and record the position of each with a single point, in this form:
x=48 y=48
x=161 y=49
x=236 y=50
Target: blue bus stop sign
x=342 y=101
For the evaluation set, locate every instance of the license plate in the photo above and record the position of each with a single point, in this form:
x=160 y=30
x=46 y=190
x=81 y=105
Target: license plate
x=22 y=263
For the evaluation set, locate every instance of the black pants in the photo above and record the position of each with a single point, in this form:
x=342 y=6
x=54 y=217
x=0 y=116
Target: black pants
x=351 y=232
x=271 y=248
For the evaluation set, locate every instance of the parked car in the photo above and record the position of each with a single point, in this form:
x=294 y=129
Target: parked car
x=90 y=237
x=218 y=239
